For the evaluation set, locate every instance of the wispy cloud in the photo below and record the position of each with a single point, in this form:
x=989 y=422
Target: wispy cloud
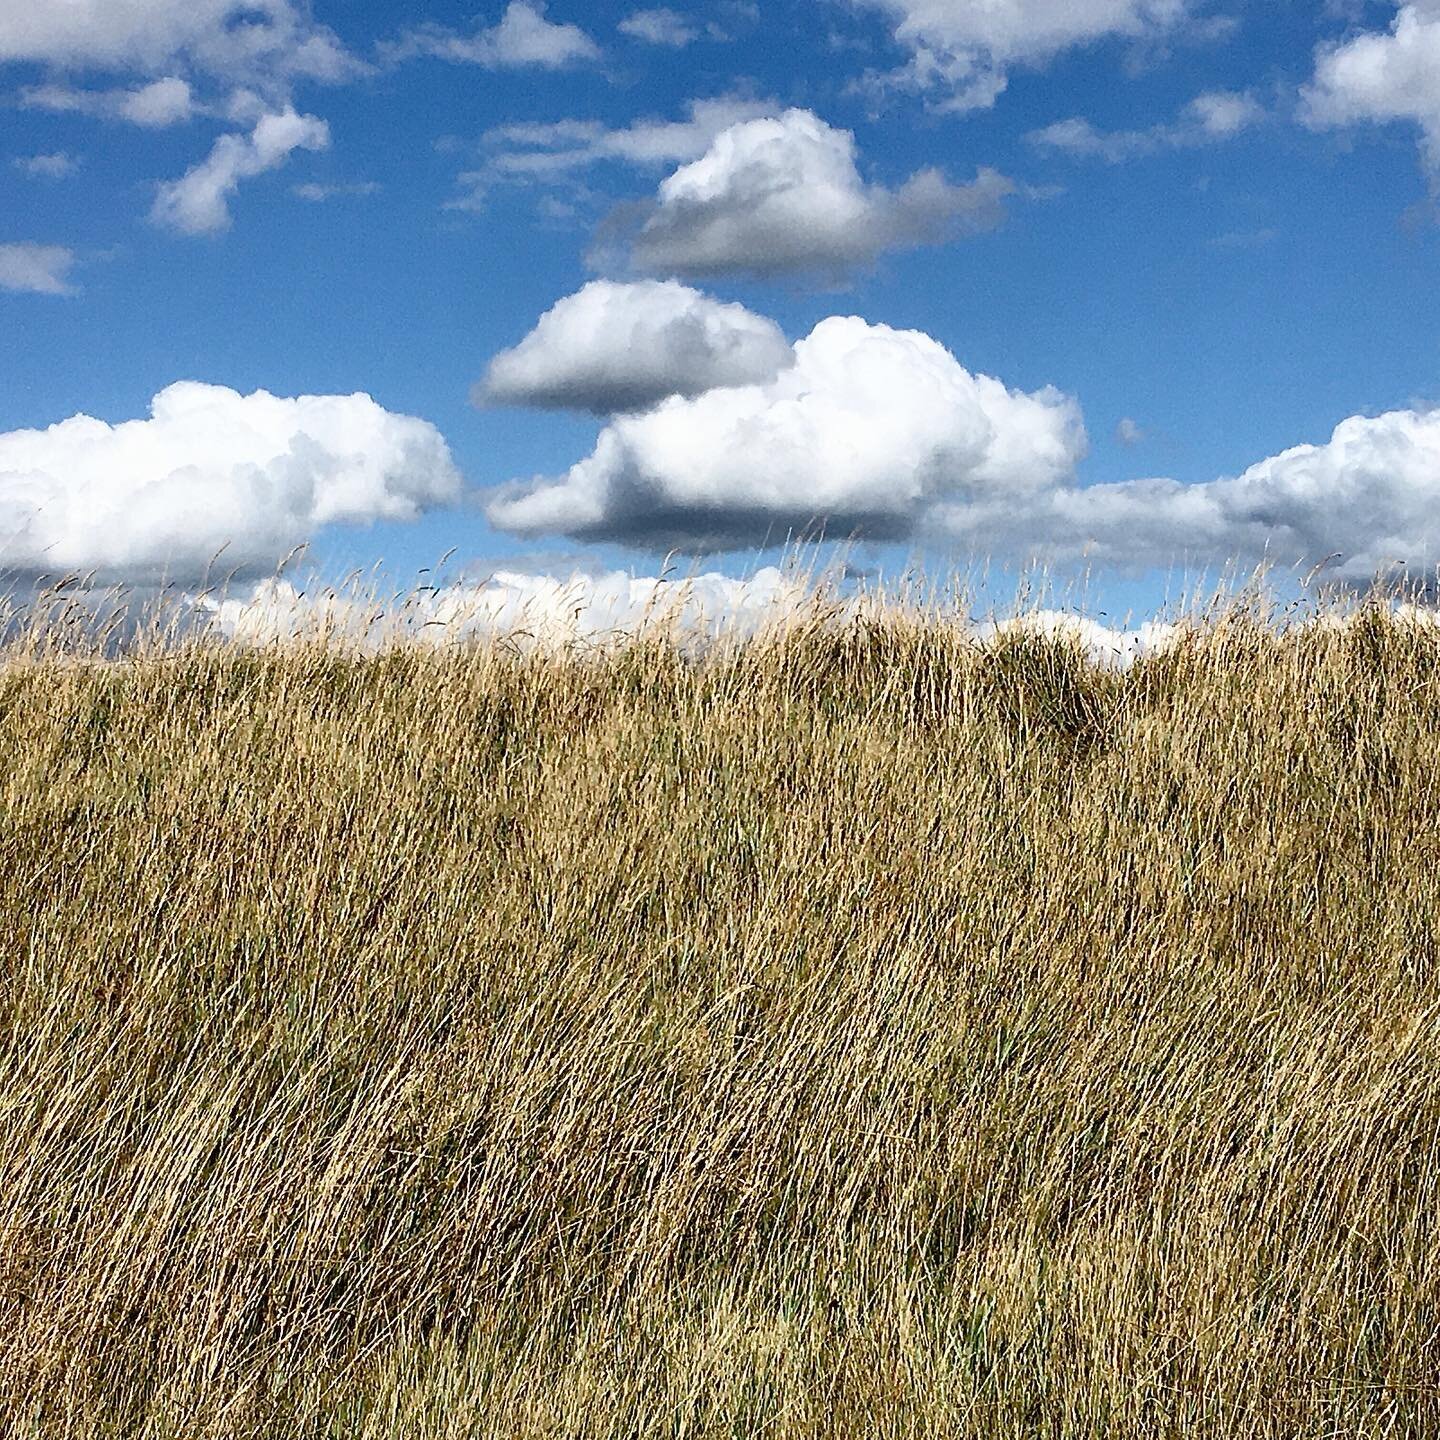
x=521 y=38
x=47 y=167
x=1209 y=119
x=27 y=268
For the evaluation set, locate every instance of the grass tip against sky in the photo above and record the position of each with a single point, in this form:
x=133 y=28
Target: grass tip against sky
x=1121 y=285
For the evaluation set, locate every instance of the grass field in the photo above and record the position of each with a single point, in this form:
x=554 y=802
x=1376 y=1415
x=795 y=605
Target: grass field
x=854 y=1031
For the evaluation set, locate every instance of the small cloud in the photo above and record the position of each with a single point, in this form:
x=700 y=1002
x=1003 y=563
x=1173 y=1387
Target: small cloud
x=30 y=269
x=1243 y=239
x=1209 y=119
x=1128 y=432
x=48 y=167
x=318 y=194
x=522 y=38
x=198 y=202
x=614 y=348
x=659 y=27
x=161 y=103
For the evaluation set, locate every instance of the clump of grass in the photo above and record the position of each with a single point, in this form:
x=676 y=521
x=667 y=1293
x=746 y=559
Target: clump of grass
x=851 y=1031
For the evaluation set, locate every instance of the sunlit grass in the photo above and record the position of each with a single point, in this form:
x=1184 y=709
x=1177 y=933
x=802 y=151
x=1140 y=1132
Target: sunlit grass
x=853 y=1030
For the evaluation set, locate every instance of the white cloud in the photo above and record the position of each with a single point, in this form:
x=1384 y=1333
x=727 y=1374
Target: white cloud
x=784 y=195
x=167 y=101
x=659 y=27
x=966 y=50
x=48 y=167
x=1369 y=498
x=318 y=194
x=540 y=611
x=275 y=39
x=556 y=151
x=198 y=202
x=882 y=434
x=1215 y=116
x=37 y=269
x=548 y=612
x=1102 y=645
x=615 y=347
x=870 y=430
x=522 y=38
x=1128 y=432
x=1383 y=77
x=254 y=474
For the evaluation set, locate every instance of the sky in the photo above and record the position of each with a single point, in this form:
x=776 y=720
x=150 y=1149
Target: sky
x=1125 y=289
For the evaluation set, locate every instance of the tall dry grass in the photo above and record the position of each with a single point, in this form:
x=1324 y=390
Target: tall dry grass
x=850 y=1032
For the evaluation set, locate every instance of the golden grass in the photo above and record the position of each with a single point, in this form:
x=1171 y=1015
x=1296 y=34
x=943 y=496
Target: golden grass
x=854 y=1032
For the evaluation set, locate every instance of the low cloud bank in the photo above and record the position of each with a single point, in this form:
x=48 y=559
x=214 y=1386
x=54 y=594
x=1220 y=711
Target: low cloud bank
x=587 y=611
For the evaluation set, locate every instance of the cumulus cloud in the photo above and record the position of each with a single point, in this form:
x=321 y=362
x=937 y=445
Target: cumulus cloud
x=198 y=202
x=238 y=39
x=869 y=431
x=616 y=347
x=965 y=51
x=48 y=167
x=882 y=434
x=1379 y=77
x=166 y=101
x=1128 y=432
x=37 y=269
x=522 y=38
x=784 y=195
x=1365 y=502
x=1215 y=116
x=210 y=471
x=659 y=27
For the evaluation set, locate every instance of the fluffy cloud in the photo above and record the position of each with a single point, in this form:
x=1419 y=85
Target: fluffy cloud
x=1365 y=502
x=210 y=470
x=37 y=269
x=522 y=37
x=1383 y=77
x=198 y=202
x=784 y=195
x=234 y=38
x=615 y=347
x=659 y=27
x=1215 y=116
x=966 y=50
x=869 y=431
x=883 y=434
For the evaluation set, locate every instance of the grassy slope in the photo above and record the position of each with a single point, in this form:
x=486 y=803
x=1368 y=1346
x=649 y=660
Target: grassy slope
x=855 y=1036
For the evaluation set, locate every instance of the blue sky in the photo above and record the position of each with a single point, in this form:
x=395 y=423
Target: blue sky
x=1206 y=232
